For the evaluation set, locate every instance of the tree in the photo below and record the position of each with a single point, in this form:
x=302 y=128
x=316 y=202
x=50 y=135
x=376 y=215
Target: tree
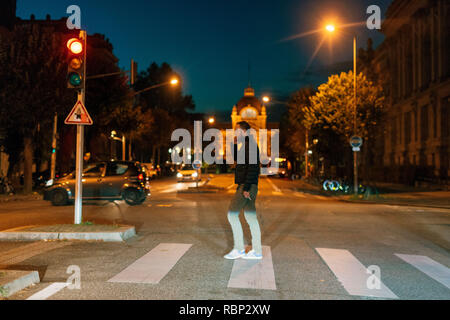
x=167 y=106
x=332 y=108
x=294 y=131
x=32 y=81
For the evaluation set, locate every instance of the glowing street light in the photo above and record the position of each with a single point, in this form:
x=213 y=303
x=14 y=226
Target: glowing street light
x=330 y=28
x=266 y=99
x=211 y=120
x=174 y=82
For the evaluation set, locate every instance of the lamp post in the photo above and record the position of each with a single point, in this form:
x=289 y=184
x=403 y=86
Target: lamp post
x=123 y=140
x=331 y=28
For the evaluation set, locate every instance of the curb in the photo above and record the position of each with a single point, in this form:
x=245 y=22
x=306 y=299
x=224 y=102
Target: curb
x=123 y=234
x=395 y=204
x=19 y=281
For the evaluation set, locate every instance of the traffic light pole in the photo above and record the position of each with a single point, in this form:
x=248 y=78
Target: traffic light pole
x=80 y=146
x=54 y=146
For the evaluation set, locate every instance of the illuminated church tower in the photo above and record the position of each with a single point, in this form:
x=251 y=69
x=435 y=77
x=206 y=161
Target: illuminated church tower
x=250 y=109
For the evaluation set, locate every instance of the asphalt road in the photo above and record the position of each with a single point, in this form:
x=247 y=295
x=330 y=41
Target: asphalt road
x=317 y=248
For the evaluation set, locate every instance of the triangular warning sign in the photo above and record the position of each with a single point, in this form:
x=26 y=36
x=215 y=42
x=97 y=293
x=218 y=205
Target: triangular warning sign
x=79 y=115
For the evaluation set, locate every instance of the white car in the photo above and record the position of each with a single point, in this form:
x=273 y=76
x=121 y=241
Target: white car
x=187 y=173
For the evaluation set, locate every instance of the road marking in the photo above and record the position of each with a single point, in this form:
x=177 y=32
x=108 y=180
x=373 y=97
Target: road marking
x=275 y=188
x=49 y=291
x=277 y=193
x=352 y=274
x=254 y=274
x=321 y=197
x=153 y=266
x=431 y=268
x=231 y=186
x=22 y=253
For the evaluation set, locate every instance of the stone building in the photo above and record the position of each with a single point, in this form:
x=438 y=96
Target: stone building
x=414 y=63
x=251 y=109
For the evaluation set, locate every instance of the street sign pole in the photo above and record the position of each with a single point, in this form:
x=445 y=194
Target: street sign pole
x=80 y=146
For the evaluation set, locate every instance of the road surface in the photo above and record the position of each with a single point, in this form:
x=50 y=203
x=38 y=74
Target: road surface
x=315 y=248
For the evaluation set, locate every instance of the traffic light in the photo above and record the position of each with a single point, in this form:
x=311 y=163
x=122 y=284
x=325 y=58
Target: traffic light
x=76 y=63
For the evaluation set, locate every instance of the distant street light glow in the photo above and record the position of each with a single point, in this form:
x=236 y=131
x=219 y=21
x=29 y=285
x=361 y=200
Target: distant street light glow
x=174 y=82
x=211 y=120
x=330 y=28
x=266 y=99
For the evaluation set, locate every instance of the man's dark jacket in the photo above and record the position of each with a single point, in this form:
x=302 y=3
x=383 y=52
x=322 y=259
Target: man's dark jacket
x=247 y=173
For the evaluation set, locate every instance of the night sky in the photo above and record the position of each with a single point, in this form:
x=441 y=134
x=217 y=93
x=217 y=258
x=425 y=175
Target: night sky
x=211 y=42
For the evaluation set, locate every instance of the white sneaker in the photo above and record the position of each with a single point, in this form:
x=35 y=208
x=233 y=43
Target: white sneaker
x=251 y=255
x=235 y=254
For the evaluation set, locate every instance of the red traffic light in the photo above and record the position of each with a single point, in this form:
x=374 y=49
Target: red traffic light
x=75 y=46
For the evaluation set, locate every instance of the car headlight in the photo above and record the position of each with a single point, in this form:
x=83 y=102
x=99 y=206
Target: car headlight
x=49 y=183
x=179 y=175
x=195 y=174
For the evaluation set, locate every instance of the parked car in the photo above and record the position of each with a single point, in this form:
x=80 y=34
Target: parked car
x=112 y=180
x=188 y=173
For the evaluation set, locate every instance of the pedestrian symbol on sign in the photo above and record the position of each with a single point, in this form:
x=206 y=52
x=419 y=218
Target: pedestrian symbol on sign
x=79 y=115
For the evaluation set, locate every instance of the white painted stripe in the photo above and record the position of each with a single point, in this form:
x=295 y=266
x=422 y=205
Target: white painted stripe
x=352 y=274
x=275 y=188
x=49 y=291
x=300 y=195
x=321 y=197
x=277 y=193
x=254 y=274
x=431 y=268
x=154 y=266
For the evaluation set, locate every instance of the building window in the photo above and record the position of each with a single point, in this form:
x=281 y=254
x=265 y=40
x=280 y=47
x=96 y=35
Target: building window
x=249 y=113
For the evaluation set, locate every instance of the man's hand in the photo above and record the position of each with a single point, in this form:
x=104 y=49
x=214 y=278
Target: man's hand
x=247 y=195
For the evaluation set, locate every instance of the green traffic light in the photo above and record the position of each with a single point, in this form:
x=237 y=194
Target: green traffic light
x=75 y=79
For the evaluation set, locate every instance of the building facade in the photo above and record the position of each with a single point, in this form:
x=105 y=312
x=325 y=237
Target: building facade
x=415 y=66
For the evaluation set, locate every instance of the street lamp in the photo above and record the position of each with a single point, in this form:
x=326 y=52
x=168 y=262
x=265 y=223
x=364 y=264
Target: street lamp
x=266 y=99
x=211 y=120
x=123 y=140
x=331 y=28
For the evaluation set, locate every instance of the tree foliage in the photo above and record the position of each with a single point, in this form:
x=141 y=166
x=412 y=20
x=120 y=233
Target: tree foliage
x=333 y=106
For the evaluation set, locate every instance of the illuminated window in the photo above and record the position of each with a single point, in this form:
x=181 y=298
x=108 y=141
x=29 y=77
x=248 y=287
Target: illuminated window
x=249 y=113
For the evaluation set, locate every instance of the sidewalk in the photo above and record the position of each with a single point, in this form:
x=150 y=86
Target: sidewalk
x=434 y=199
x=20 y=197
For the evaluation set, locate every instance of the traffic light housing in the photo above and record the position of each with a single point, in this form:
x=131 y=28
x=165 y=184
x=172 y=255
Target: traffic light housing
x=76 y=53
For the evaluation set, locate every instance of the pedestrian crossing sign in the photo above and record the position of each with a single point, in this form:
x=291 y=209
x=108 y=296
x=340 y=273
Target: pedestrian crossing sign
x=79 y=115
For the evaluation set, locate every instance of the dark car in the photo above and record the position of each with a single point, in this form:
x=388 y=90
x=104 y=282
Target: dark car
x=110 y=180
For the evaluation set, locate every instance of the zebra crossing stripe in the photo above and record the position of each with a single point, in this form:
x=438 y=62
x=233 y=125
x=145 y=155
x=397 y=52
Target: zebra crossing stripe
x=153 y=266
x=275 y=188
x=49 y=291
x=431 y=268
x=352 y=274
x=254 y=274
